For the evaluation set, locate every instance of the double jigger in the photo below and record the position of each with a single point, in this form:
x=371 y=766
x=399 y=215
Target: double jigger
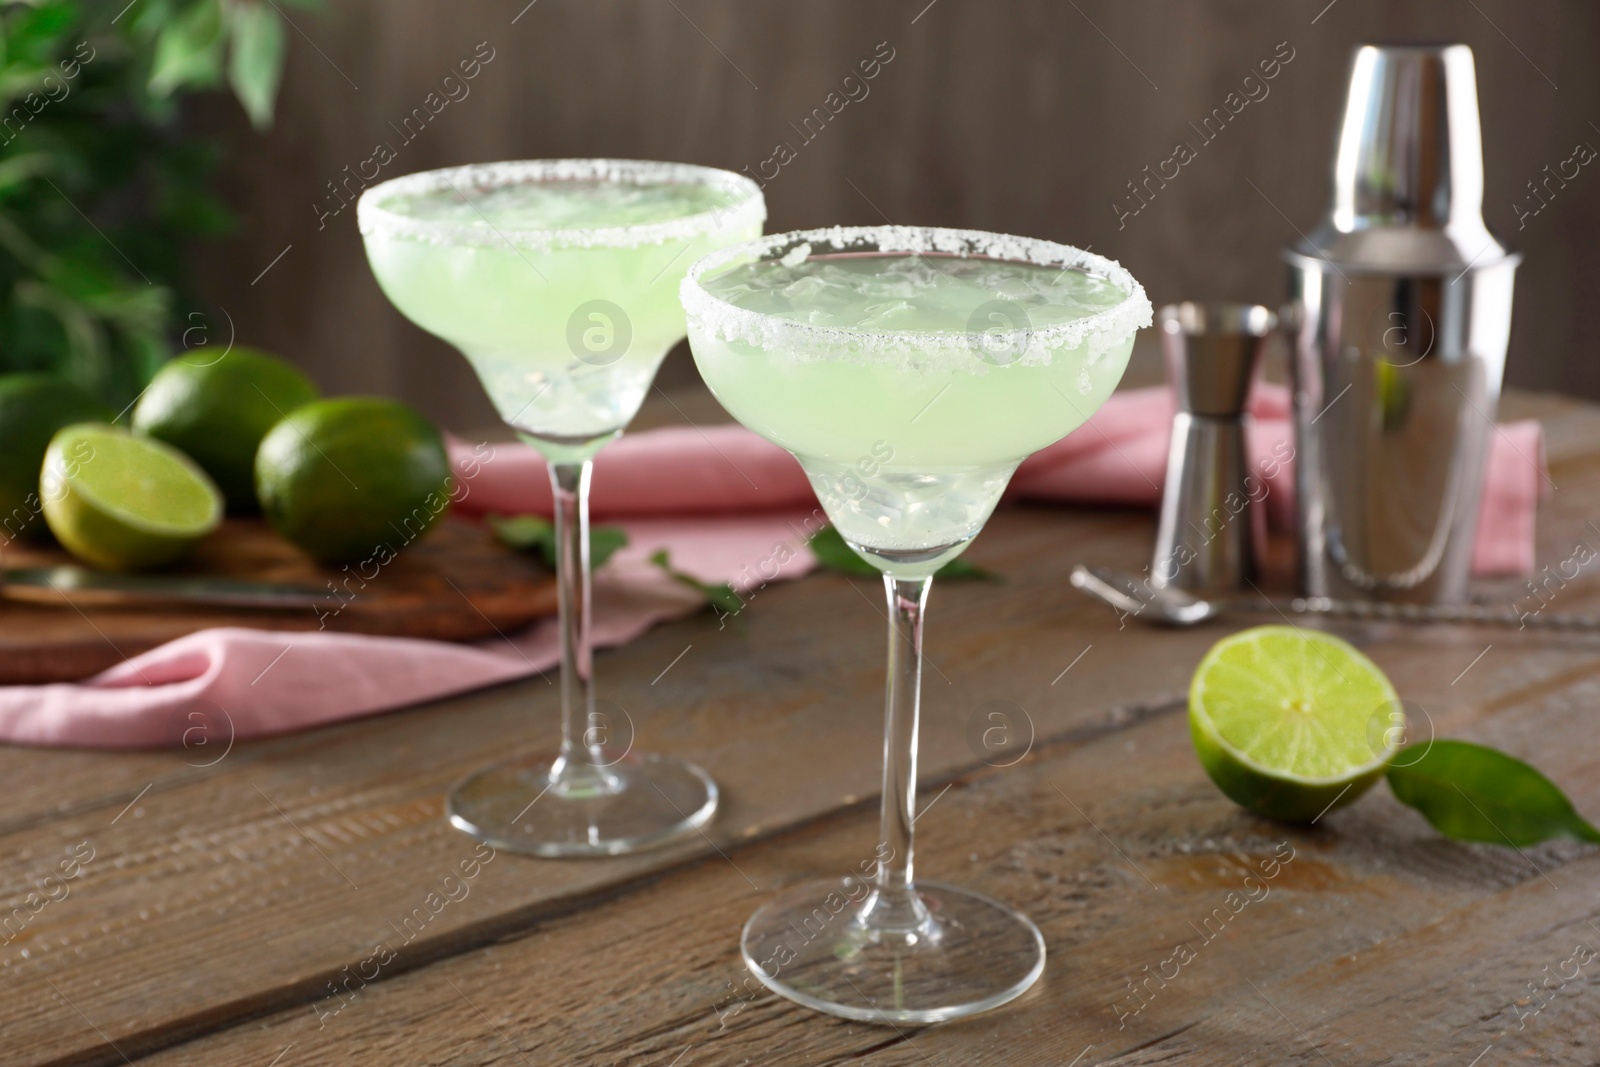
x=1211 y=520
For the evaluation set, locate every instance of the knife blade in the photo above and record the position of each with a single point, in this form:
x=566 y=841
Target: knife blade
x=79 y=585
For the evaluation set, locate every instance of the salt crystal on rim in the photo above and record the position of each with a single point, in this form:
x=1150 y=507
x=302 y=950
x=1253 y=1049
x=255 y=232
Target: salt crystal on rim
x=374 y=217
x=914 y=349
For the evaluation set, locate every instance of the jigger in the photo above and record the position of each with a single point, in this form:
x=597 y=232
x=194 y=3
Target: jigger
x=1210 y=514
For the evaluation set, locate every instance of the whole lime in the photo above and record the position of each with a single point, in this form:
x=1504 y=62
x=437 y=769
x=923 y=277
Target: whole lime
x=217 y=410
x=123 y=501
x=353 y=478
x=32 y=408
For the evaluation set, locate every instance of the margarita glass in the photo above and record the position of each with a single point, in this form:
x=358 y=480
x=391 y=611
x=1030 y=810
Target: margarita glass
x=909 y=371
x=557 y=279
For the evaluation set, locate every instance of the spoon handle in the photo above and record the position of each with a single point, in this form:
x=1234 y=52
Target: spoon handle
x=1470 y=614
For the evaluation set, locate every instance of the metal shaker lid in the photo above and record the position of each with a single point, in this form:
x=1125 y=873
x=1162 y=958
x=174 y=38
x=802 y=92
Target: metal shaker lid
x=1408 y=172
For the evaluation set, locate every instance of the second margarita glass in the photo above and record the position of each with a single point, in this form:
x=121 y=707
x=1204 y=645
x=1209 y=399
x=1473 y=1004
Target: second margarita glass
x=909 y=371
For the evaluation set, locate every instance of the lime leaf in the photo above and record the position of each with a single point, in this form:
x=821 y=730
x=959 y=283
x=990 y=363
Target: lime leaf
x=834 y=555
x=719 y=596
x=527 y=533
x=604 y=542
x=1472 y=793
x=530 y=533
x=256 y=42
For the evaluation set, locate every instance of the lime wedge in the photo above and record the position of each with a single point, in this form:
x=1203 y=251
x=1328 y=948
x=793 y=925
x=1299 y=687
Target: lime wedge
x=122 y=502
x=1290 y=723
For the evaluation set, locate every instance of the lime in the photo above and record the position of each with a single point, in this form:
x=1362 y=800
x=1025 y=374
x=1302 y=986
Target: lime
x=1282 y=720
x=120 y=501
x=1394 y=394
x=217 y=409
x=32 y=408
x=355 y=478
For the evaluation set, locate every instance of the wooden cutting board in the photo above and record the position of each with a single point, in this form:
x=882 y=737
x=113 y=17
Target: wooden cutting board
x=456 y=584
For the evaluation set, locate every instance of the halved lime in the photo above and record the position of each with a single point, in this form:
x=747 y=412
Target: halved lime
x=120 y=501
x=1282 y=720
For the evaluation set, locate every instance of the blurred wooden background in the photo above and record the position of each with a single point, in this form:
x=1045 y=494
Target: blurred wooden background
x=1028 y=116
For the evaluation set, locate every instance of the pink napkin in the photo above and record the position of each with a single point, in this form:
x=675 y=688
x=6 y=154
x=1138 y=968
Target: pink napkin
x=1118 y=457
x=752 y=509
x=205 y=691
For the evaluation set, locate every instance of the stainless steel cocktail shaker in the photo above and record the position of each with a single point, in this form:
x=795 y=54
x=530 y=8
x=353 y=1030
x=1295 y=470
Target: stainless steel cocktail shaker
x=1400 y=312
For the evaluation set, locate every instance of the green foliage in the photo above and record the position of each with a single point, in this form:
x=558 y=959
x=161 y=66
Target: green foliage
x=100 y=186
x=1472 y=793
x=720 y=596
x=834 y=555
x=530 y=533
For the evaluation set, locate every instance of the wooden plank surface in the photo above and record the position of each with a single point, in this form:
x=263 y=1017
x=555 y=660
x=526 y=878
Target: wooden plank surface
x=221 y=901
x=221 y=858
x=1116 y=872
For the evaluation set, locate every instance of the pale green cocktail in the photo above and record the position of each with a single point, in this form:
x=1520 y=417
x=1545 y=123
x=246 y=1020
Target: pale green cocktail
x=910 y=386
x=557 y=279
x=562 y=290
x=909 y=371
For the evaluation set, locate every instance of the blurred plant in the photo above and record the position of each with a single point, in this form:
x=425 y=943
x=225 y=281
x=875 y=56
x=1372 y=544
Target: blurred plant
x=101 y=185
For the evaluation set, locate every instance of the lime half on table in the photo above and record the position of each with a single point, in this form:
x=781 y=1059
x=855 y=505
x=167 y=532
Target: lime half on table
x=122 y=502
x=1283 y=721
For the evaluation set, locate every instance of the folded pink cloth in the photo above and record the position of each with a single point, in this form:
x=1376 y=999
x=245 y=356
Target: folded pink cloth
x=726 y=505
x=205 y=691
x=1118 y=457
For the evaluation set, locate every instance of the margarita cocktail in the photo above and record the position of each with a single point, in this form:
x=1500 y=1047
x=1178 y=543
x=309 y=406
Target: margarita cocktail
x=557 y=279
x=909 y=371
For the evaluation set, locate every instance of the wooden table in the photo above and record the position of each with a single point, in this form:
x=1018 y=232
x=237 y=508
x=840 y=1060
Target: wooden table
x=302 y=901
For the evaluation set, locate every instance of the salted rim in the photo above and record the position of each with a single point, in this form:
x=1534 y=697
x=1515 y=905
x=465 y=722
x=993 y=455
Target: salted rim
x=1101 y=331
x=372 y=217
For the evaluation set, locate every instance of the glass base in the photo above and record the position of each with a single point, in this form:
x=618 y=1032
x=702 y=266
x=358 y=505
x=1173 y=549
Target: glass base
x=627 y=804
x=847 y=949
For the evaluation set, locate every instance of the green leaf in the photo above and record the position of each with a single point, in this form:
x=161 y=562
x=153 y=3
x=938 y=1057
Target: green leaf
x=603 y=544
x=834 y=555
x=530 y=533
x=1472 y=793
x=256 y=44
x=38 y=29
x=719 y=596
x=526 y=533
x=189 y=51
x=18 y=170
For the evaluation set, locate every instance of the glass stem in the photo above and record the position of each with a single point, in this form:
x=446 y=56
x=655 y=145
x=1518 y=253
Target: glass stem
x=894 y=905
x=580 y=769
